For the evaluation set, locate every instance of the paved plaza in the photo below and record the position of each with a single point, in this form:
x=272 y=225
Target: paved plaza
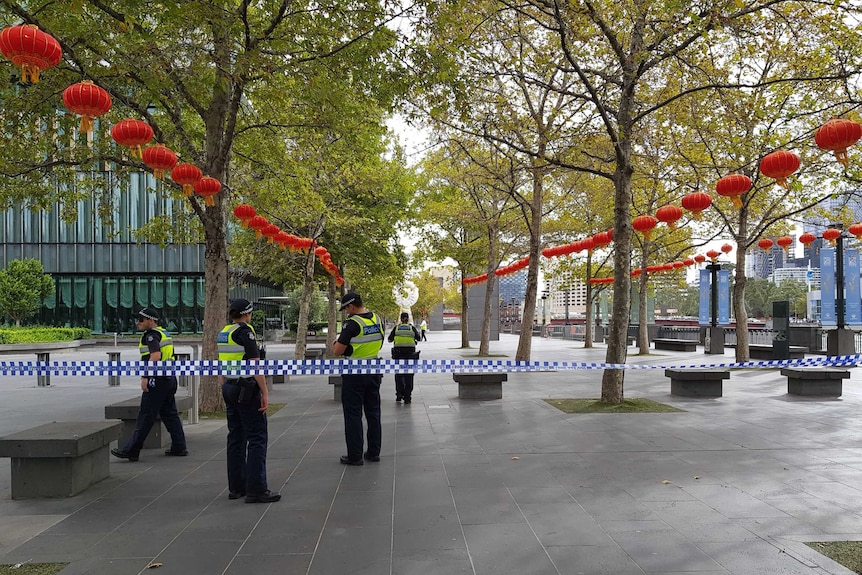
x=513 y=486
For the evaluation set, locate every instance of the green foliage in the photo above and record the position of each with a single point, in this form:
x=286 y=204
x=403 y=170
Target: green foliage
x=10 y=335
x=24 y=285
x=761 y=293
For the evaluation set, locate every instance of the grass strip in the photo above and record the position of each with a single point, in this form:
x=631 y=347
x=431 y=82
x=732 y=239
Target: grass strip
x=847 y=553
x=32 y=568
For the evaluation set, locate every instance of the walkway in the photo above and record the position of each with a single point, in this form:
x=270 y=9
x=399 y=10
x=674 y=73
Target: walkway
x=513 y=486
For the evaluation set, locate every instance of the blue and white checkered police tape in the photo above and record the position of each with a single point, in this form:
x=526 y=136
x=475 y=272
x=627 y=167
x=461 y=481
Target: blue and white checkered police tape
x=363 y=366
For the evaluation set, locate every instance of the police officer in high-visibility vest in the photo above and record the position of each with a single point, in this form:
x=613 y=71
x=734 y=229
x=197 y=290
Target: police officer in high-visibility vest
x=404 y=336
x=157 y=399
x=246 y=399
x=361 y=338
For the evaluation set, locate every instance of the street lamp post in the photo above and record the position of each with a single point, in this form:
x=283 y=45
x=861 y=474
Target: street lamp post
x=544 y=299
x=841 y=341
x=716 y=332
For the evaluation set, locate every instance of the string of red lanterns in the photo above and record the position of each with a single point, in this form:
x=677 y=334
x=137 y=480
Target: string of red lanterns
x=248 y=218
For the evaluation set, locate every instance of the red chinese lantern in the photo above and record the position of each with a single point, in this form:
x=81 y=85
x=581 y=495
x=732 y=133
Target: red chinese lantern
x=807 y=239
x=244 y=213
x=208 y=187
x=732 y=186
x=644 y=224
x=669 y=214
x=678 y=265
x=667 y=267
x=785 y=242
x=831 y=234
x=282 y=239
x=258 y=223
x=856 y=230
x=88 y=101
x=688 y=261
x=160 y=158
x=601 y=239
x=765 y=244
x=712 y=254
x=636 y=272
x=778 y=165
x=587 y=244
x=186 y=175
x=726 y=248
x=696 y=202
x=30 y=48
x=837 y=135
x=133 y=134
x=700 y=258
x=269 y=232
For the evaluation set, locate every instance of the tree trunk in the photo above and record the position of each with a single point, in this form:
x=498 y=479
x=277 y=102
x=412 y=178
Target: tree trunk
x=525 y=341
x=331 y=314
x=216 y=304
x=643 y=328
x=739 y=311
x=612 y=379
x=465 y=328
x=588 y=328
x=304 y=305
x=493 y=261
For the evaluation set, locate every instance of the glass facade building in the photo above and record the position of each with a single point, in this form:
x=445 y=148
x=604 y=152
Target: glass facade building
x=103 y=274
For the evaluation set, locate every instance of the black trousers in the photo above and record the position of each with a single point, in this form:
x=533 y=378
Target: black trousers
x=361 y=394
x=247 y=438
x=158 y=401
x=404 y=381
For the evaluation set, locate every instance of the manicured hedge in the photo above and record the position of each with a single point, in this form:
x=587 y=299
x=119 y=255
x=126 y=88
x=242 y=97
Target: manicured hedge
x=10 y=335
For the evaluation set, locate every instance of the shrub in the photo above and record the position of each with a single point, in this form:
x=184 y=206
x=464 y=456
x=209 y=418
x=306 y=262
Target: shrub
x=42 y=334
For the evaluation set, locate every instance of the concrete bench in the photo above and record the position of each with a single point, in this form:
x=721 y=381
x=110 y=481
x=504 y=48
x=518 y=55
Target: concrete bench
x=816 y=381
x=335 y=381
x=127 y=412
x=315 y=352
x=762 y=351
x=701 y=382
x=675 y=344
x=480 y=385
x=59 y=459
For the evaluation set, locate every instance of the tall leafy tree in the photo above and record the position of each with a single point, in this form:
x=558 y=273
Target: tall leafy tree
x=210 y=77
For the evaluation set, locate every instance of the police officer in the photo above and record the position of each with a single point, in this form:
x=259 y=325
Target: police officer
x=361 y=338
x=246 y=400
x=158 y=394
x=404 y=336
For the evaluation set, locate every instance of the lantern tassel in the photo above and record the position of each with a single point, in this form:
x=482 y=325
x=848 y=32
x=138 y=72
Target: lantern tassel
x=671 y=225
x=137 y=152
x=244 y=223
x=737 y=203
x=697 y=215
x=188 y=190
x=86 y=126
x=841 y=156
x=783 y=183
x=30 y=73
x=159 y=174
x=211 y=202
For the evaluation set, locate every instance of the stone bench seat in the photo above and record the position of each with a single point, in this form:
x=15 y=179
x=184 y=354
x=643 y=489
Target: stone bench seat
x=127 y=412
x=815 y=381
x=335 y=381
x=59 y=459
x=673 y=344
x=763 y=351
x=699 y=382
x=480 y=385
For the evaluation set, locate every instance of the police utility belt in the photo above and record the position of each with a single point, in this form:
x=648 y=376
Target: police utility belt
x=242 y=382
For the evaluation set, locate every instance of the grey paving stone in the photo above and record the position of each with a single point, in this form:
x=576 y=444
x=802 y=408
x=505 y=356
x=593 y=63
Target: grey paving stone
x=664 y=552
x=594 y=560
x=106 y=566
x=506 y=548
x=269 y=564
x=478 y=506
x=426 y=527
x=361 y=509
x=564 y=524
x=358 y=550
x=755 y=558
x=436 y=562
x=211 y=555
